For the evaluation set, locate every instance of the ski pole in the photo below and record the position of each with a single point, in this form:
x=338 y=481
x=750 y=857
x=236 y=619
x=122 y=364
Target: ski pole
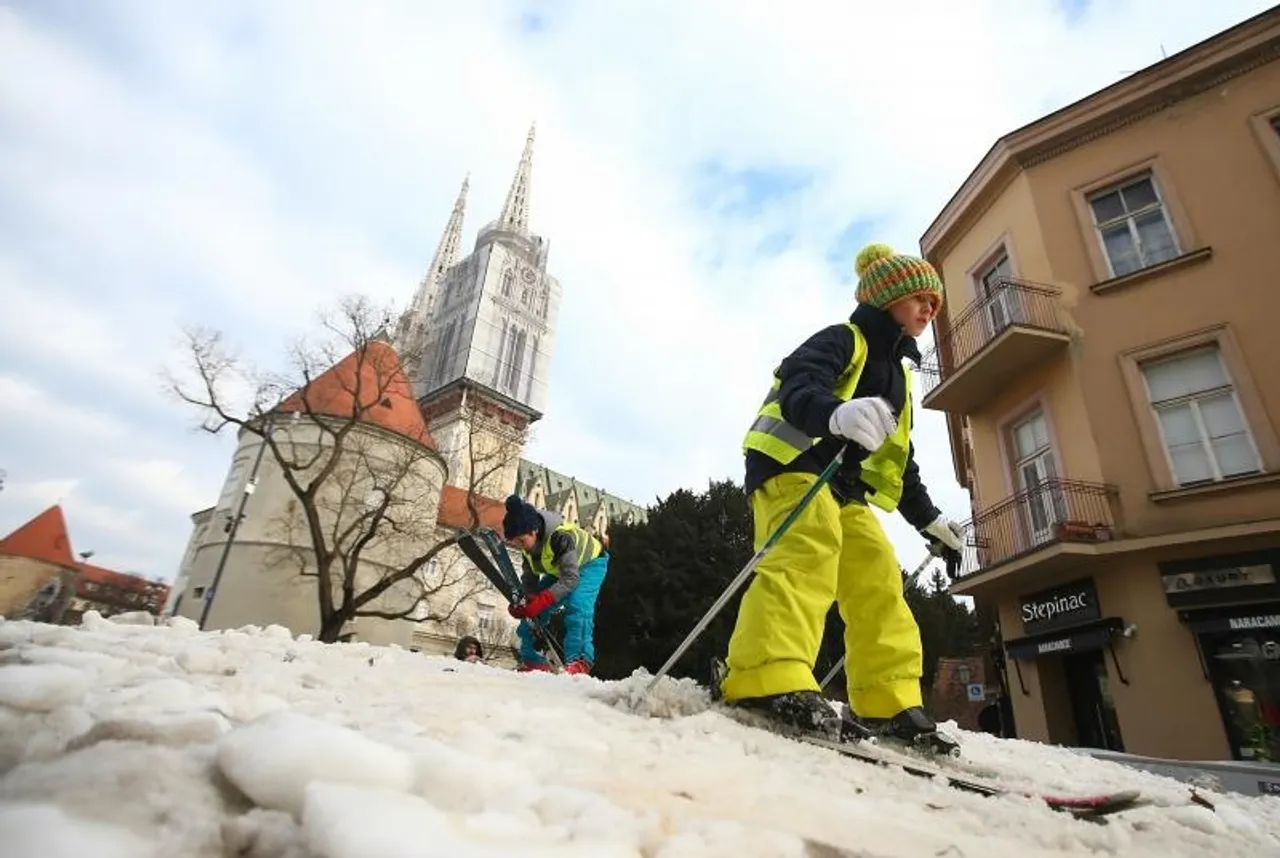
x=935 y=551
x=553 y=651
x=737 y=582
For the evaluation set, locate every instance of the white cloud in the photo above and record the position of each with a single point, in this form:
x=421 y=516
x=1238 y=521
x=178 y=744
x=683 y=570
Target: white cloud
x=240 y=164
x=31 y=405
x=119 y=493
x=161 y=482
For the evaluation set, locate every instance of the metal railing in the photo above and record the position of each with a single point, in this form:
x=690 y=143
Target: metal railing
x=1010 y=302
x=1050 y=512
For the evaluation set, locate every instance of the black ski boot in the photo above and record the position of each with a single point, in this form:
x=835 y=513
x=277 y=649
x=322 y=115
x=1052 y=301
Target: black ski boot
x=914 y=729
x=806 y=712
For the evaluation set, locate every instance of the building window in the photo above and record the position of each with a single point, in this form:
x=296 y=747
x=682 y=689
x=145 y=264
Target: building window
x=514 y=361
x=1001 y=303
x=1199 y=417
x=484 y=620
x=991 y=278
x=1133 y=226
x=1034 y=471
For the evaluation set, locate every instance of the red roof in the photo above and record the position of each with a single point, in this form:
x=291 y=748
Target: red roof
x=42 y=538
x=454 y=511
x=45 y=538
x=111 y=578
x=368 y=384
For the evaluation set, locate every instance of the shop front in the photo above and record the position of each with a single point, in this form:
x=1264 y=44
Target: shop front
x=1072 y=644
x=1231 y=604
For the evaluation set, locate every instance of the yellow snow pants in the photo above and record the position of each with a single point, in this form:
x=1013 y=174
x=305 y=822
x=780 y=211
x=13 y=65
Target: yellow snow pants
x=830 y=553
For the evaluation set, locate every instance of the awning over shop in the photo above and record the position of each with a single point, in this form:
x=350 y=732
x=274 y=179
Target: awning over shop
x=1236 y=618
x=1081 y=638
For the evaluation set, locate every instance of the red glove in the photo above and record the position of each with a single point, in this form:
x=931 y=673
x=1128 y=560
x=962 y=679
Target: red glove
x=531 y=606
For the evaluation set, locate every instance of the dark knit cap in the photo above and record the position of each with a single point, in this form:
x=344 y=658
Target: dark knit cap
x=521 y=518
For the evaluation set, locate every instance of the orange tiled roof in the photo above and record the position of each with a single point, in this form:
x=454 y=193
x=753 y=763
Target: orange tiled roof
x=120 y=580
x=454 y=512
x=42 y=538
x=376 y=371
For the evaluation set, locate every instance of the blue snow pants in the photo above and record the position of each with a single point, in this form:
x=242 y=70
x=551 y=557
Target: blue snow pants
x=579 y=608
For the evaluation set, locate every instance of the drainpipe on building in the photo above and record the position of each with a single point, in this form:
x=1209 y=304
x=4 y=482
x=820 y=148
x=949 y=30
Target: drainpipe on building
x=249 y=486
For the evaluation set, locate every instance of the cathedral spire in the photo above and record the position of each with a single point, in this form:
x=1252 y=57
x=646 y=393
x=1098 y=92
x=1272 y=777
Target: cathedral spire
x=447 y=253
x=413 y=321
x=515 y=211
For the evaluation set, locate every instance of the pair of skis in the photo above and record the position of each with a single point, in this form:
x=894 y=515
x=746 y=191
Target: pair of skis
x=869 y=750
x=1089 y=806
x=486 y=550
x=1084 y=806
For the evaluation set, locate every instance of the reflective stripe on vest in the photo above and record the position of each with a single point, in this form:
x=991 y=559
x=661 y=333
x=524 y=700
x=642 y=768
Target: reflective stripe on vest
x=586 y=545
x=882 y=471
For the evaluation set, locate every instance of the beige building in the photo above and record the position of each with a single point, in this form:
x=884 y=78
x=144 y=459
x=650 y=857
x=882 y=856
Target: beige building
x=1111 y=274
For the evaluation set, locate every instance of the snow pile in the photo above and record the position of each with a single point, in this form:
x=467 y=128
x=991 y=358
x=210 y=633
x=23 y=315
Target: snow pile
x=126 y=740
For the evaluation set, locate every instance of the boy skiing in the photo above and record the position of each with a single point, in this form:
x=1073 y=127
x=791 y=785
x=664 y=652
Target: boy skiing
x=846 y=386
x=564 y=567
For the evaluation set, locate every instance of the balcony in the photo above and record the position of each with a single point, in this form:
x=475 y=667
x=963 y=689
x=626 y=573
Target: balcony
x=1015 y=328
x=1048 y=527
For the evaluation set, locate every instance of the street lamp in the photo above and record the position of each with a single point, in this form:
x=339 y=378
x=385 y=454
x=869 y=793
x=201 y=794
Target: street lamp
x=234 y=526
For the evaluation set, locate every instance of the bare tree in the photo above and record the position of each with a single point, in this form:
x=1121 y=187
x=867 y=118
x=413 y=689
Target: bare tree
x=491 y=446
x=362 y=517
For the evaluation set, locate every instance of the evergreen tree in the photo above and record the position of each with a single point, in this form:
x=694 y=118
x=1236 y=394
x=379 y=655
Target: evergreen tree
x=948 y=629
x=666 y=572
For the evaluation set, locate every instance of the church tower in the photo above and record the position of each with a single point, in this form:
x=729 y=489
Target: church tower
x=480 y=334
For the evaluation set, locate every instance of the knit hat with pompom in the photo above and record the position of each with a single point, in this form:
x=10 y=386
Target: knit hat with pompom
x=885 y=277
x=521 y=517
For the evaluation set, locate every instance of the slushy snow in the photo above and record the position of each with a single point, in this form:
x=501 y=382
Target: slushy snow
x=126 y=740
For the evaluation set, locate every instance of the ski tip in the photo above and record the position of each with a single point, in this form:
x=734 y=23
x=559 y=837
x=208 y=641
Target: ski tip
x=1093 y=803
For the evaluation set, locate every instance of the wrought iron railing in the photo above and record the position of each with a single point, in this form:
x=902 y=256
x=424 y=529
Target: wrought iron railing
x=1010 y=302
x=1051 y=511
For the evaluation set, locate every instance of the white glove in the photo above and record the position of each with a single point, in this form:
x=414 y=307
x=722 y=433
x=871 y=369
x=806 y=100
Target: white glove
x=947 y=532
x=866 y=421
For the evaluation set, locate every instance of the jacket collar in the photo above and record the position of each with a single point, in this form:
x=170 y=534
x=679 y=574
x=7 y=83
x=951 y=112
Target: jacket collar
x=885 y=337
x=550 y=521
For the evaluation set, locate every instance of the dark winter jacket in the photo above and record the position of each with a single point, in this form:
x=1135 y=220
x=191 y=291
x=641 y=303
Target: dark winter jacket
x=808 y=377
x=568 y=544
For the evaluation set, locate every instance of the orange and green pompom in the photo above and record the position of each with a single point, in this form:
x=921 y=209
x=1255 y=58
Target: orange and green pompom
x=885 y=277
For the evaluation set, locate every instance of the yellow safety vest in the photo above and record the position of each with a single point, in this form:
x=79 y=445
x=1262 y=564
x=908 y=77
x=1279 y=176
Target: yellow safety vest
x=882 y=470
x=587 y=546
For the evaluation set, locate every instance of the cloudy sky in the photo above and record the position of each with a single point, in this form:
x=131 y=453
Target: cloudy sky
x=704 y=171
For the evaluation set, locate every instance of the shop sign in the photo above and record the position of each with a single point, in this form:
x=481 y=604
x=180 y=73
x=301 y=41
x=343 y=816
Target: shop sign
x=1244 y=624
x=1219 y=579
x=1060 y=607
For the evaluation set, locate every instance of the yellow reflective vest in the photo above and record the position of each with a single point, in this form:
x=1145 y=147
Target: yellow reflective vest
x=585 y=546
x=881 y=470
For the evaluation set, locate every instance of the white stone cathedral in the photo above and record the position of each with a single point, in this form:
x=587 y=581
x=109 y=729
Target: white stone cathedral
x=480 y=330
x=476 y=343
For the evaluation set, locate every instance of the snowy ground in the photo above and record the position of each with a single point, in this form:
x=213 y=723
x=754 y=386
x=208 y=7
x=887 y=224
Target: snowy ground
x=121 y=740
